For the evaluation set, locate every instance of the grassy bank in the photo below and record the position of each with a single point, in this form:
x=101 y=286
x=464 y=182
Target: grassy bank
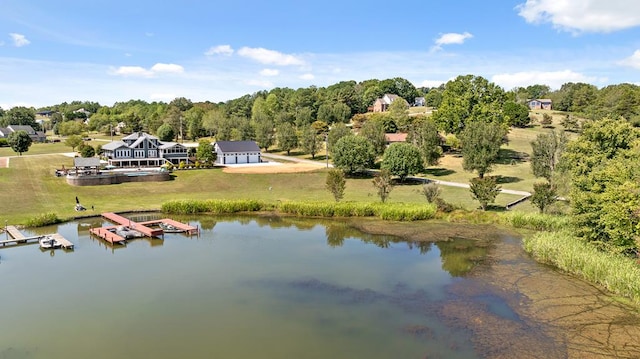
x=388 y=211
x=616 y=273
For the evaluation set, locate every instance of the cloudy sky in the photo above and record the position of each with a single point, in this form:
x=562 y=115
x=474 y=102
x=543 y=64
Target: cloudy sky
x=113 y=50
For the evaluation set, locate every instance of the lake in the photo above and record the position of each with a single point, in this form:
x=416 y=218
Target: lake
x=270 y=287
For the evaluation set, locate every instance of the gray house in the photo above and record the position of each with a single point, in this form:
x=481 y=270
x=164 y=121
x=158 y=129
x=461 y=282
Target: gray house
x=36 y=136
x=143 y=149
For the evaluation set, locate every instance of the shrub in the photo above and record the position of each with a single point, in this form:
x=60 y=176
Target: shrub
x=535 y=221
x=431 y=192
x=42 y=220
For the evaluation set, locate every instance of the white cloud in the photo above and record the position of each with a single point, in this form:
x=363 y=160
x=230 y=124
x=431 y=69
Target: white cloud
x=138 y=71
x=632 y=61
x=167 y=68
x=19 y=40
x=270 y=57
x=553 y=79
x=269 y=72
x=135 y=71
x=582 y=15
x=307 y=77
x=225 y=50
x=452 y=38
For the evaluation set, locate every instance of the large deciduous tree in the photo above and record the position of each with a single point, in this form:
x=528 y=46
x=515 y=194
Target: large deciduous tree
x=353 y=153
x=336 y=132
x=19 y=142
x=373 y=131
x=310 y=141
x=264 y=133
x=547 y=150
x=205 y=153
x=166 y=133
x=73 y=141
x=469 y=99
x=424 y=134
x=516 y=114
x=287 y=137
x=20 y=115
x=480 y=146
x=402 y=160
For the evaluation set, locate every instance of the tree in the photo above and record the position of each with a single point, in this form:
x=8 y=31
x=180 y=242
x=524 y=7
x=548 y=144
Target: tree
x=480 y=146
x=287 y=137
x=469 y=99
x=20 y=115
x=383 y=184
x=205 y=153
x=335 y=183
x=68 y=128
x=424 y=134
x=353 y=153
x=516 y=114
x=336 y=132
x=398 y=113
x=166 y=133
x=310 y=141
x=484 y=190
x=264 y=133
x=19 y=141
x=547 y=150
x=402 y=160
x=431 y=192
x=543 y=196
x=374 y=132
x=86 y=151
x=73 y=141
x=546 y=121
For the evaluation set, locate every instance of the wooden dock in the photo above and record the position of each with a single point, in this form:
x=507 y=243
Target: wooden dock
x=18 y=238
x=107 y=235
x=149 y=232
x=183 y=227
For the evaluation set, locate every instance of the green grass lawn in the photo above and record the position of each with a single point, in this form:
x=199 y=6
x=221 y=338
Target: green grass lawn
x=31 y=189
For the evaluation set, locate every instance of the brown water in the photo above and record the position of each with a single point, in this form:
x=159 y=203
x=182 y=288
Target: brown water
x=283 y=288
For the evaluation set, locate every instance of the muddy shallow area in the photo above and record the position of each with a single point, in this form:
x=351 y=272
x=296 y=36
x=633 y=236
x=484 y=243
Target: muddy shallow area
x=552 y=314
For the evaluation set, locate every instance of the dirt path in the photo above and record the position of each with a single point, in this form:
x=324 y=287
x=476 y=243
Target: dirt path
x=4 y=162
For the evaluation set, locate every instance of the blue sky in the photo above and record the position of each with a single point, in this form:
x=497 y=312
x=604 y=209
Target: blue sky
x=112 y=50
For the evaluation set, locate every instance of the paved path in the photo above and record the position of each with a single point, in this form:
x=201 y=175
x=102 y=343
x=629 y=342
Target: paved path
x=295 y=159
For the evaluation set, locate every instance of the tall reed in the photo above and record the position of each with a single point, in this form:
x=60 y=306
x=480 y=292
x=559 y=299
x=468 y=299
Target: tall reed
x=535 y=221
x=615 y=272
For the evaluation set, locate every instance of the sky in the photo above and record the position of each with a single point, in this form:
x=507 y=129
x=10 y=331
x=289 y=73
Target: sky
x=111 y=51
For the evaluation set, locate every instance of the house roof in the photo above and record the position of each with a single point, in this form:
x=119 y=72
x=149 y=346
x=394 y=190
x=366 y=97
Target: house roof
x=113 y=145
x=166 y=145
x=25 y=128
x=395 y=137
x=86 y=162
x=134 y=136
x=237 y=146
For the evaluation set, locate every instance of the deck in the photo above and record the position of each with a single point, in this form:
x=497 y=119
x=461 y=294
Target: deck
x=181 y=226
x=107 y=235
x=149 y=232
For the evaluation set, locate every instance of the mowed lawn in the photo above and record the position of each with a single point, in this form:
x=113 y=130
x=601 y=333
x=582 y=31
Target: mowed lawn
x=31 y=188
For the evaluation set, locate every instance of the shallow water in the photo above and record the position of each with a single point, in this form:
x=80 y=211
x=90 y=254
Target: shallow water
x=262 y=287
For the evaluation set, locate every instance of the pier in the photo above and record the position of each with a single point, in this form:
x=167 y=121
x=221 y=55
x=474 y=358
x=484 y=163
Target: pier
x=149 y=229
x=18 y=238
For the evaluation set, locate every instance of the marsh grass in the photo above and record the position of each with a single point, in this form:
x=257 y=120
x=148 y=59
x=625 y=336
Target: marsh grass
x=386 y=211
x=615 y=272
x=534 y=221
x=42 y=220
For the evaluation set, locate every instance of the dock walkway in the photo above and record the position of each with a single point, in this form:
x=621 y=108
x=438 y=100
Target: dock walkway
x=149 y=232
x=18 y=238
x=107 y=235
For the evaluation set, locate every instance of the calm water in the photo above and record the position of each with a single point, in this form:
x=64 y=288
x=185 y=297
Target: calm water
x=245 y=288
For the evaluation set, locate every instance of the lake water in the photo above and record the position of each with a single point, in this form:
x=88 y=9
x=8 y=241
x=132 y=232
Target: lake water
x=246 y=287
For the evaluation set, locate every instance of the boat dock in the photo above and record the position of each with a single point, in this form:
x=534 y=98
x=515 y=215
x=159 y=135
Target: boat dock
x=18 y=238
x=147 y=228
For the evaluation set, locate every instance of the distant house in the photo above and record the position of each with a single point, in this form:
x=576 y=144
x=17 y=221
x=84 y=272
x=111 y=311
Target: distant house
x=234 y=152
x=46 y=113
x=36 y=136
x=419 y=101
x=143 y=149
x=383 y=103
x=395 y=137
x=539 y=104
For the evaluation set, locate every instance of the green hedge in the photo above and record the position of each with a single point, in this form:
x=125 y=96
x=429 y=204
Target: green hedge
x=42 y=220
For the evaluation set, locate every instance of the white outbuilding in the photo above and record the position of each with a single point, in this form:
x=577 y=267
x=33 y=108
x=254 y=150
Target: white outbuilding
x=234 y=152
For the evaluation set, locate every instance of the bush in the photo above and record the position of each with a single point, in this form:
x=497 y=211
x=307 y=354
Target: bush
x=535 y=221
x=431 y=192
x=42 y=220
x=3 y=142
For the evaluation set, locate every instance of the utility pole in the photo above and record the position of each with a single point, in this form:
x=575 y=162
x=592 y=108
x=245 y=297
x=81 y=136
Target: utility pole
x=111 y=131
x=326 y=147
x=181 y=138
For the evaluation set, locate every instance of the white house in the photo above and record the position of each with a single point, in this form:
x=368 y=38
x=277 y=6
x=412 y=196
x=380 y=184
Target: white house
x=143 y=149
x=234 y=152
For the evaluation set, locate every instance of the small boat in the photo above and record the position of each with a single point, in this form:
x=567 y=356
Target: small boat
x=127 y=233
x=48 y=242
x=169 y=228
